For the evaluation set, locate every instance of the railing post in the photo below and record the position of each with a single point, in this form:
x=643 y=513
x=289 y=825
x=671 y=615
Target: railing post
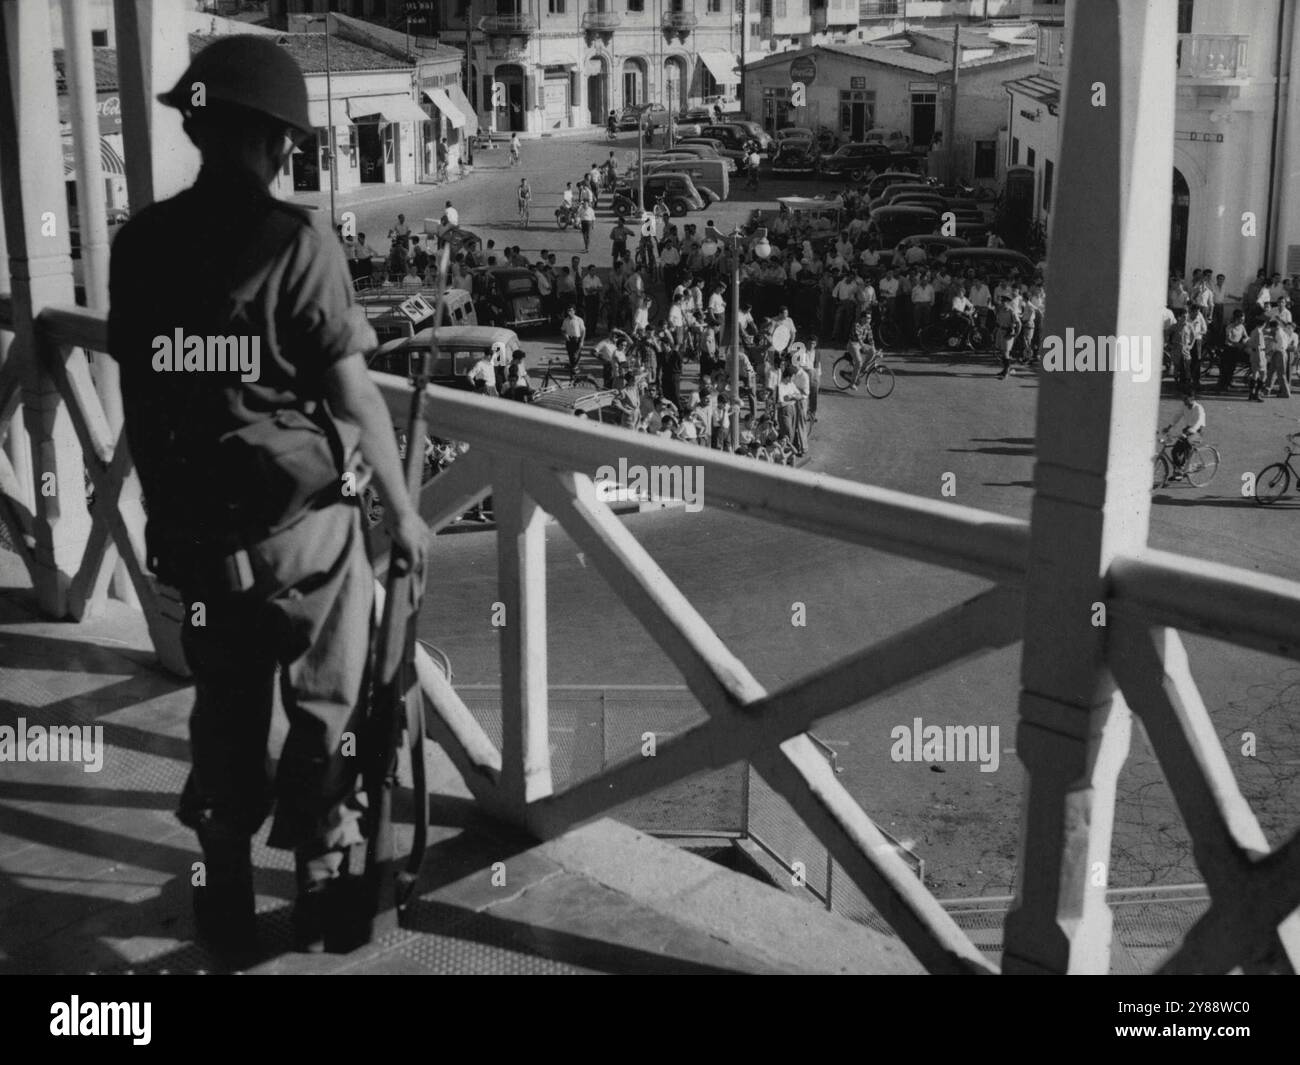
x=40 y=268
x=521 y=577
x=80 y=75
x=1092 y=482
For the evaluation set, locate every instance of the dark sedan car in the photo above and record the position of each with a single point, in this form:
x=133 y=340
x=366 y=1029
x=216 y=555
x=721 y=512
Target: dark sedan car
x=796 y=157
x=509 y=297
x=853 y=161
x=656 y=115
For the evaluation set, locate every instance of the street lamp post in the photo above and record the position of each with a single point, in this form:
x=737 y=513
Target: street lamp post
x=762 y=249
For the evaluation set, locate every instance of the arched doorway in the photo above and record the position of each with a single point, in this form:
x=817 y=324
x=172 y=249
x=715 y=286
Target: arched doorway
x=597 y=90
x=1182 y=199
x=675 y=83
x=511 y=116
x=634 y=82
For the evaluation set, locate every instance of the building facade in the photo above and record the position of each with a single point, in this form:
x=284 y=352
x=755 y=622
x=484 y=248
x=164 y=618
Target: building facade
x=1237 y=135
x=565 y=64
x=906 y=87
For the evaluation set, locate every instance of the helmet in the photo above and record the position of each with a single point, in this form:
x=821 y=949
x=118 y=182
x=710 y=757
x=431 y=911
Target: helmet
x=247 y=71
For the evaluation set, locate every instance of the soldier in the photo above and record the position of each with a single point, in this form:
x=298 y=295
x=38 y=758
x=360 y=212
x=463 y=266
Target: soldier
x=250 y=479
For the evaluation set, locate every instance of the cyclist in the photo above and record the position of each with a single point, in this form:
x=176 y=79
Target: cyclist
x=524 y=194
x=861 y=345
x=1193 y=414
x=514 y=149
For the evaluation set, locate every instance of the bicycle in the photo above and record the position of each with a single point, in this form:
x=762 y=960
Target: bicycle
x=954 y=332
x=566 y=216
x=889 y=334
x=879 y=377
x=514 y=156
x=524 y=206
x=1272 y=482
x=1198 y=469
x=557 y=370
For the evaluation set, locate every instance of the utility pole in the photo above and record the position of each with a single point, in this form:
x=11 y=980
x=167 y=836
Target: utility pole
x=952 y=105
x=470 y=95
x=744 y=32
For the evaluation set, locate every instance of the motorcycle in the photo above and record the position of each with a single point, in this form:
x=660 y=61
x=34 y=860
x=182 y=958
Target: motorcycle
x=566 y=216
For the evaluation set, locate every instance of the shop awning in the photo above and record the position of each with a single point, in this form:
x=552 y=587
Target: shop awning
x=466 y=108
x=722 y=65
x=320 y=115
x=440 y=100
x=393 y=108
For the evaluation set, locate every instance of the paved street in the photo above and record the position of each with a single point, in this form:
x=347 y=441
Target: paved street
x=944 y=416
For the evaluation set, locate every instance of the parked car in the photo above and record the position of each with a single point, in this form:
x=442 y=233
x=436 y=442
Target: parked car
x=459 y=348
x=679 y=191
x=854 y=160
x=709 y=175
x=508 y=296
x=991 y=262
x=889 y=225
x=732 y=135
x=935 y=244
x=793 y=133
x=796 y=157
x=893 y=139
x=655 y=115
x=725 y=151
x=754 y=130
x=877 y=186
x=691 y=121
x=902 y=188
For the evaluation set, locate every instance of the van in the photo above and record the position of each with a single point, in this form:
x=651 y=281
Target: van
x=459 y=348
x=389 y=323
x=705 y=173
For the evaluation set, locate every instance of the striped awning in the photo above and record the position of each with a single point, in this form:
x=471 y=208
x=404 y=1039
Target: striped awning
x=110 y=156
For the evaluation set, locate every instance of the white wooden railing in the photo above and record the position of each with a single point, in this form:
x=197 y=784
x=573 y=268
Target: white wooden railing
x=1086 y=547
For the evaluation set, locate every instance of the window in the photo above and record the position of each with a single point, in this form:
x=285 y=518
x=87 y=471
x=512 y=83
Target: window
x=555 y=7
x=857 y=113
x=1184 y=16
x=756 y=30
x=1047 y=185
x=1029 y=157
x=636 y=5
x=1015 y=151
x=99 y=38
x=986 y=160
x=715 y=7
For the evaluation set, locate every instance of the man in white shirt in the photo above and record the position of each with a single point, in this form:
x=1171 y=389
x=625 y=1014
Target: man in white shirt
x=450 y=216
x=718 y=307
x=574 y=331
x=1192 y=420
x=845 y=295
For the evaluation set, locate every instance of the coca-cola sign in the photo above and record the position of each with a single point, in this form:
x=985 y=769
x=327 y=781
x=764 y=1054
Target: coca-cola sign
x=108 y=109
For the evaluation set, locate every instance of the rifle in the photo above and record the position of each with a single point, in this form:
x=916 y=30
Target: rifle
x=396 y=702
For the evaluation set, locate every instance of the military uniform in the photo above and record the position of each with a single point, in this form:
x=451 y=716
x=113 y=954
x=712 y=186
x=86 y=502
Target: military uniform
x=224 y=258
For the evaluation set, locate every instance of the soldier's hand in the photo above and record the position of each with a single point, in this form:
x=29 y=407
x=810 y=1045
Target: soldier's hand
x=408 y=533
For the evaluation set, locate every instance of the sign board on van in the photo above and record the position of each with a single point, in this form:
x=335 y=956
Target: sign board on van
x=416 y=308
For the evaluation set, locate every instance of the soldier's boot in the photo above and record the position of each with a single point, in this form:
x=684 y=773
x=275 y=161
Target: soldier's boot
x=224 y=905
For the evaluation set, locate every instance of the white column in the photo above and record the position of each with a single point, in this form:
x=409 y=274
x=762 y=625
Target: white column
x=1095 y=440
x=153 y=51
x=40 y=269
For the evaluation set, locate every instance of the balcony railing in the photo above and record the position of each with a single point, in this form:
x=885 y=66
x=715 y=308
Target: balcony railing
x=1212 y=57
x=1051 y=47
x=601 y=21
x=680 y=21
x=518 y=24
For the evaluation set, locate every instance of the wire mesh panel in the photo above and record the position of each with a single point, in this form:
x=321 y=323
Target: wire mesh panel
x=593 y=727
x=637 y=721
x=783 y=836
